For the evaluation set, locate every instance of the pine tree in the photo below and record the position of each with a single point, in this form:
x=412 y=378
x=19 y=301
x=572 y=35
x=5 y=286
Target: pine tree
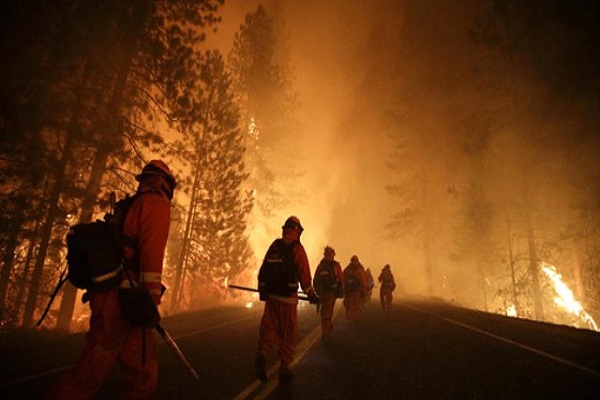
x=262 y=80
x=214 y=243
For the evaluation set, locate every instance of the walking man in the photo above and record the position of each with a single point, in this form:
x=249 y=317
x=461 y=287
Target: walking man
x=285 y=264
x=329 y=284
x=112 y=337
x=388 y=285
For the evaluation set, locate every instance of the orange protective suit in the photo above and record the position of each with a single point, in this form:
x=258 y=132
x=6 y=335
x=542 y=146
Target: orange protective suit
x=388 y=285
x=111 y=337
x=279 y=323
x=329 y=284
x=355 y=283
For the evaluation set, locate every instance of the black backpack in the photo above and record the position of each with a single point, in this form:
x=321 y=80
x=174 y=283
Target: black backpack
x=277 y=274
x=95 y=250
x=325 y=280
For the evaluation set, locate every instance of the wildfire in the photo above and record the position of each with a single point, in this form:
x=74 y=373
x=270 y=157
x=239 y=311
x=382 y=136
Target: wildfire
x=564 y=297
x=511 y=311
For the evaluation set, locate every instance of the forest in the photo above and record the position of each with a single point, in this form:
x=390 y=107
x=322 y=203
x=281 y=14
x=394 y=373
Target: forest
x=455 y=140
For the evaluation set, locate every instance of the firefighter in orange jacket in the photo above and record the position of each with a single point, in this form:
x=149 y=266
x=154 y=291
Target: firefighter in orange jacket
x=285 y=264
x=355 y=285
x=111 y=337
x=329 y=285
x=388 y=285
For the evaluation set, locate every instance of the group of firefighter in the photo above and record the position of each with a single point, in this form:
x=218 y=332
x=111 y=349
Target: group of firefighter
x=354 y=284
x=114 y=338
x=284 y=270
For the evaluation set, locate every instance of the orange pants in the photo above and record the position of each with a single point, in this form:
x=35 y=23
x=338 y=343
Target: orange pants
x=327 y=305
x=111 y=339
x=385 y=295
x=279 y=327
x=353 y=301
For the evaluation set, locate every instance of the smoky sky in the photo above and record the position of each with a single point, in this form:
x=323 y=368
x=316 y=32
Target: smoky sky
x=355 y=60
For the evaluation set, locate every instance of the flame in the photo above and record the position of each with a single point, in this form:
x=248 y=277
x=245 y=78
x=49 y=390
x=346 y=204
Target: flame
x=565 y=298
x=511 y=311
x=249 y=305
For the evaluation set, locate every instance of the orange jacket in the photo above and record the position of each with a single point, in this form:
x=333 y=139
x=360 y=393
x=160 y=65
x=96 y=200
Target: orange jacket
x=147 y=223
x=355 y=278
x=387 y=280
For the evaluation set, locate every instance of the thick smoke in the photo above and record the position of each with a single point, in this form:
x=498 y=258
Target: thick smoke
x=355 y=62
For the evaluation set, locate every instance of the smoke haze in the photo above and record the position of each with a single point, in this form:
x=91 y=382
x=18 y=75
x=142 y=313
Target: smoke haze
x=354 y=61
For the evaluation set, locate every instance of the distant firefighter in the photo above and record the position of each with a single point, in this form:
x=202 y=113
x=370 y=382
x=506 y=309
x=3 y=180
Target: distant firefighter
x=370 y=285
x=355 y=285
x=329 y=284
x=388 y=285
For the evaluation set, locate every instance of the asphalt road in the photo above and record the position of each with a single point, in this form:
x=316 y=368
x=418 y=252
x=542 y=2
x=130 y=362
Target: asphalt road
x=419 y=350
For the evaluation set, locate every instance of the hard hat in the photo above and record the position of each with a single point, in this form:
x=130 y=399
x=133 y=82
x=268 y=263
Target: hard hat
x=293 y=223
x=329 y=250
x=158 y=167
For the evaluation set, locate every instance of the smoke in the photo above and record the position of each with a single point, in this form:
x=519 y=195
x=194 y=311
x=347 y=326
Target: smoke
x=354 y=61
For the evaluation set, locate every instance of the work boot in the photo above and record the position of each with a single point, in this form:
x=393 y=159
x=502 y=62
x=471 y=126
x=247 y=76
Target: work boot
x=285 y=373
x=260 y=364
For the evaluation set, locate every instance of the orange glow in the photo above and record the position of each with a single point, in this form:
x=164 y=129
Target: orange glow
x=511 y=311
x=564 y=297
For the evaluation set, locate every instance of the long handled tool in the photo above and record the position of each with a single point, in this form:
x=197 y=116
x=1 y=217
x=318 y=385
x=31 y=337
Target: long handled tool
x=167 y=337
x=230 y=286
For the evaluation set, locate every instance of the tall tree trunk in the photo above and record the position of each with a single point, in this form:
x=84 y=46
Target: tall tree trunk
x=534 y=269
x=26 y=268
x=183 y=254
x=108 y=143
x=181 y=265
x=576 y=261
x=511 y=260
x=51 y=216
x=9 y=256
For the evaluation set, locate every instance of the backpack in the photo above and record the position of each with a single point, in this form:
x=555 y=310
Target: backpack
x=352 y=278
x=95 y=250
x=277 y=273
x=325 y=280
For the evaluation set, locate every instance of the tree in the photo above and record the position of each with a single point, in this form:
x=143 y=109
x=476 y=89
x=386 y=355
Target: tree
x=262 y=80
x=214 y=245
x=108 y=81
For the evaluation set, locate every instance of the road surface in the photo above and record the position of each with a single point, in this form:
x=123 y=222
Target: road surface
x=419 y=350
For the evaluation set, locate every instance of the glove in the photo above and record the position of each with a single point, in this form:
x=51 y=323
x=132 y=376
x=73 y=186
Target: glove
x=262 y=295
x=313 y=298
x=262 y=291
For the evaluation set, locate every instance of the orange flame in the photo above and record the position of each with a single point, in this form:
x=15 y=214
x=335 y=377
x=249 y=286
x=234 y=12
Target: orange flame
x=565 y=298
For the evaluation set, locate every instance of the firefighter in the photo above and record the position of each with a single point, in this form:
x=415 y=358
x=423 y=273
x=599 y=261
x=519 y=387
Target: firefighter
x=112 y=337
x=285 y=264
x=329 y=285
x=388 y=285
x=355 y=286
x=370 y=285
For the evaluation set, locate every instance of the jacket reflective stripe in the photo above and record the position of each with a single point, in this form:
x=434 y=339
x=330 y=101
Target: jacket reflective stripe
x=107 y=276
x=151 y=277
